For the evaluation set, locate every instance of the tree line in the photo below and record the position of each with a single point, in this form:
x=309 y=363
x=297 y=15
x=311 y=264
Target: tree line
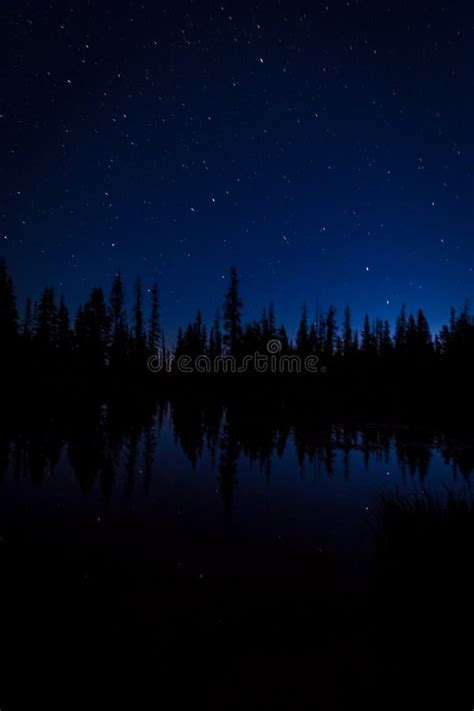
x=102 y=335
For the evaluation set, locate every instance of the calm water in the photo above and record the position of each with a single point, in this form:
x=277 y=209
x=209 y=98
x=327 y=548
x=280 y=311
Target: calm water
x=143 y=547
x=189 y=480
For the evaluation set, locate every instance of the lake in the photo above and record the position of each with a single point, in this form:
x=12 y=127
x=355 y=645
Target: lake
x=179 y=537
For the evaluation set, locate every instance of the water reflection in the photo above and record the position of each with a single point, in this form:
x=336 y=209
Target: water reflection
x=166 y=522
x=101 y=441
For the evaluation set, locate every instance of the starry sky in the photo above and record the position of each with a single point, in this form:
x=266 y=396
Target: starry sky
x=323 y=148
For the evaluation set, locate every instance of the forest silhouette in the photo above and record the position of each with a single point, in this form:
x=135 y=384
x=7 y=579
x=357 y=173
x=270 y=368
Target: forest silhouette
x=371 y=371
x=79 y=397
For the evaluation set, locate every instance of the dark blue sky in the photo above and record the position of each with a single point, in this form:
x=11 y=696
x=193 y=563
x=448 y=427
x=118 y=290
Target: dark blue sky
x=324 y=148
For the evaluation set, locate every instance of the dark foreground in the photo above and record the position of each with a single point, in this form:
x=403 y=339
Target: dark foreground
x=124 y=583
x=286 y=633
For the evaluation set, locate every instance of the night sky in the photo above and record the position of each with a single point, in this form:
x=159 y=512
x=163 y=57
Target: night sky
x=324 y=148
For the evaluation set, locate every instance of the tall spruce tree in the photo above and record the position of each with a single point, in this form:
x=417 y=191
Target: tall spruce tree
x=65 y=337
x=347 y=332
x=401 y=331
x=331 y=332
x=233 y=315
x=154 y=327
x=118 y=348
x=302 y=335
x=139 y=337
x=8 y=309
x=46 y=321
x=92 y=330
x=27 y=328
x=215 y=338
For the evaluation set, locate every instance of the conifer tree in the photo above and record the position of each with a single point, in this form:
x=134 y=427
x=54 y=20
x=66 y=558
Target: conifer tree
x=139 y=337
x=347 y=332
x=331 y=331
x=46 y=321
x=302 y=335
x=401 y=331
x=154 y=328
x=233 y=315
x=8 y=309
x=118 y=350
x=215 y=338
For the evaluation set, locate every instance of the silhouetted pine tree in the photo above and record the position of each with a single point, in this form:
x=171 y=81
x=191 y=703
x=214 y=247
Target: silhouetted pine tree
x=271 y=322
x=92 y=330
x=355 y=343
x=264 y=323
x=253 y=339
x=199 y=335
x=8 y=309
x=179 y=349
x=401 y=332
x=163 y=346
x=313 y=345
x=452 y=320
x=331 y=332
x=369 y=343
x=189 y=344
x=46 y=323
x=378 y=332
x=321 y=328
x=194 y=340
x=267 y=324
x=302 y=335
x=347 y=343
x=233 y=316
x=424 y=343
x=65 y=334
x=283 y=338
x=386 y=345
x=154 y=328
x=215 y=338
x=118 y=350
x=139 y=336
x=27 y=328
x=411 y=336
x=461 y=342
